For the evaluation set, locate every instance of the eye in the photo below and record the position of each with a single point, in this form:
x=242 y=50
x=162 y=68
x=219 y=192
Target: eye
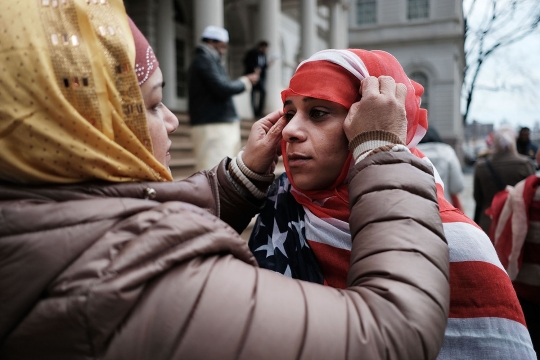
x=156 y=107
x=289 y=115
x=317 y=114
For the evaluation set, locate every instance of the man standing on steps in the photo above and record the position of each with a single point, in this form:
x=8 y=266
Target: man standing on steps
x=215 y=124
x=255 y=59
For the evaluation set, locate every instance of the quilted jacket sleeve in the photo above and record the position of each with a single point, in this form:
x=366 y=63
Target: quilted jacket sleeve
x=236 y=209
x=214 y=306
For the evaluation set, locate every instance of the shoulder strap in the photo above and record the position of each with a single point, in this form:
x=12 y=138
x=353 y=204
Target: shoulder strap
x=496 y=177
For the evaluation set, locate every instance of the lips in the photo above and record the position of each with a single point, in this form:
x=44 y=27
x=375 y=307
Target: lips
x=296 y=159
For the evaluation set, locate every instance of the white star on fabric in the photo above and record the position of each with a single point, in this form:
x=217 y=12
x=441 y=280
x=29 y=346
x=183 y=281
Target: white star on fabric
x=269 y=247
x=288 y=272
x=274 y=200
x=298 y=226
x=278 y=238
x=286 y=186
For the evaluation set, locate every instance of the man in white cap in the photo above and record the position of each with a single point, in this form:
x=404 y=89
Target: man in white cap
x=215 y=124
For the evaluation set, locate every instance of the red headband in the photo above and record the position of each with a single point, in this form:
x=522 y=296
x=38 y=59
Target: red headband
x=145 y=60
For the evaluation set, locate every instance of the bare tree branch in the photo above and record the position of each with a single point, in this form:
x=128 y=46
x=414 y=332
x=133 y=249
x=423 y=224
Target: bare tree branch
x=502 y=23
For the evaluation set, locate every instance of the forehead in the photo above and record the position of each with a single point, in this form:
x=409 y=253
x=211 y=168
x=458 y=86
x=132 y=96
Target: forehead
x=299 y=100
x=306 y=103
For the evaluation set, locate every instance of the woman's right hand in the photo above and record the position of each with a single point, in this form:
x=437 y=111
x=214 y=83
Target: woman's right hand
x=263 y=146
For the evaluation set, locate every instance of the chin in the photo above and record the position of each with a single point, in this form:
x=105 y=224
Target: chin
x=304 y=184
x=308 y=183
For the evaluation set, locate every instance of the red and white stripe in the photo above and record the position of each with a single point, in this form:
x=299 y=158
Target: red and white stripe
x=485 y=320
x=330 y=240
x=485 y=338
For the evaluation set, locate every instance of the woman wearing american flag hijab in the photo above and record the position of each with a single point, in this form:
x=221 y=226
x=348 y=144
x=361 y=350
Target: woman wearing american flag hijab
x=308 y=225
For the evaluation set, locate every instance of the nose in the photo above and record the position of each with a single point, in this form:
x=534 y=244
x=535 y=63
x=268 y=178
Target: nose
x=171 y=121
x=293 y=131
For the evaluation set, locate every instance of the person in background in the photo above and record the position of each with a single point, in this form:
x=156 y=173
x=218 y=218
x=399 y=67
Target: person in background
x=445 y=160
x=488 y=149
x=524 y=144
x=102 y=256
x=504 y=166
x=515 y=232
x=215 y=124
x=255 y=61
x=305 y=230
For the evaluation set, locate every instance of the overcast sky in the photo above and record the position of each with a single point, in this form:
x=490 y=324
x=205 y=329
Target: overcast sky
x=514 y=66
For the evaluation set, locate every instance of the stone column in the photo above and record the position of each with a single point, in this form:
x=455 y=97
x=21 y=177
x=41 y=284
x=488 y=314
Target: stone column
x=339 y=38
x=269 y=13
x=166 y=50
x=207 y=12
x=308 y=28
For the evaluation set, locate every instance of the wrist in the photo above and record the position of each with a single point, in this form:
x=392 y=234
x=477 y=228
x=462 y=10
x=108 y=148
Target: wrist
x=365 y=142
x=257 y=186
x=252 y=175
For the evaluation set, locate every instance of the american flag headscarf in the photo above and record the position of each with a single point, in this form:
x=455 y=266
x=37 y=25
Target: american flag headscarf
x=305 y=234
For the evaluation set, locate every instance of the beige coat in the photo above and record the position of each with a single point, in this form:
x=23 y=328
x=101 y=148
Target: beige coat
x=96 y=271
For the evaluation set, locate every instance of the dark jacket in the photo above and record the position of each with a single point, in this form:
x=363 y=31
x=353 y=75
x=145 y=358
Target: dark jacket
x=510 y=168
x=527 y=148
x=96 y=271
x=252 y=62
x=211 y=90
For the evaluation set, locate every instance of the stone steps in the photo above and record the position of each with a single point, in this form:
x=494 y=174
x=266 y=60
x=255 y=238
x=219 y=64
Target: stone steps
x=182 y=162
x=182 y=157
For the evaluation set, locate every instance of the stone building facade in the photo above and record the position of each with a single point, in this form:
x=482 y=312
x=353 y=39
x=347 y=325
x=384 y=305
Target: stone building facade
x=294 y=28
x=426 y=36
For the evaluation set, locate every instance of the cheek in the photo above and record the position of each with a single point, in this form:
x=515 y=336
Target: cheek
x=157 y=131
x=152 y=126
x=334 y=144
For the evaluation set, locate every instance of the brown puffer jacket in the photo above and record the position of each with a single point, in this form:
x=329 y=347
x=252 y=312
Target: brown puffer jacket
x=98 y=272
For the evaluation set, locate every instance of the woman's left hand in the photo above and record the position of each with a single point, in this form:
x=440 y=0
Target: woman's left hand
x=263 y=146
x=381 y=107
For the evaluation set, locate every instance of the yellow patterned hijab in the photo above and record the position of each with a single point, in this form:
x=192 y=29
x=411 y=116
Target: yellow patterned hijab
x=71 y=109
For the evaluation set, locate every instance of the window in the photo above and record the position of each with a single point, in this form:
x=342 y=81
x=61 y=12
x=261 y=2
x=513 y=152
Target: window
x=418 y=9
x=366 y=12
x=422 y=79
x=181 y=73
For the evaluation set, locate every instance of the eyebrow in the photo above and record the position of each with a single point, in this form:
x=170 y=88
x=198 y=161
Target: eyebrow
x=305 y=99
x=159 y=85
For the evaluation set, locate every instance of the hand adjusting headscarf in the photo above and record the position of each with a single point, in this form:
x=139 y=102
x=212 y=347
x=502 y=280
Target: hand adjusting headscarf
x=71 y=109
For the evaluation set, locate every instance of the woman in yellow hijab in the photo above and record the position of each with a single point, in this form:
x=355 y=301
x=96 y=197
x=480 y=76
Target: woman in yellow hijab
x=72 y=109
x=103 y=257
